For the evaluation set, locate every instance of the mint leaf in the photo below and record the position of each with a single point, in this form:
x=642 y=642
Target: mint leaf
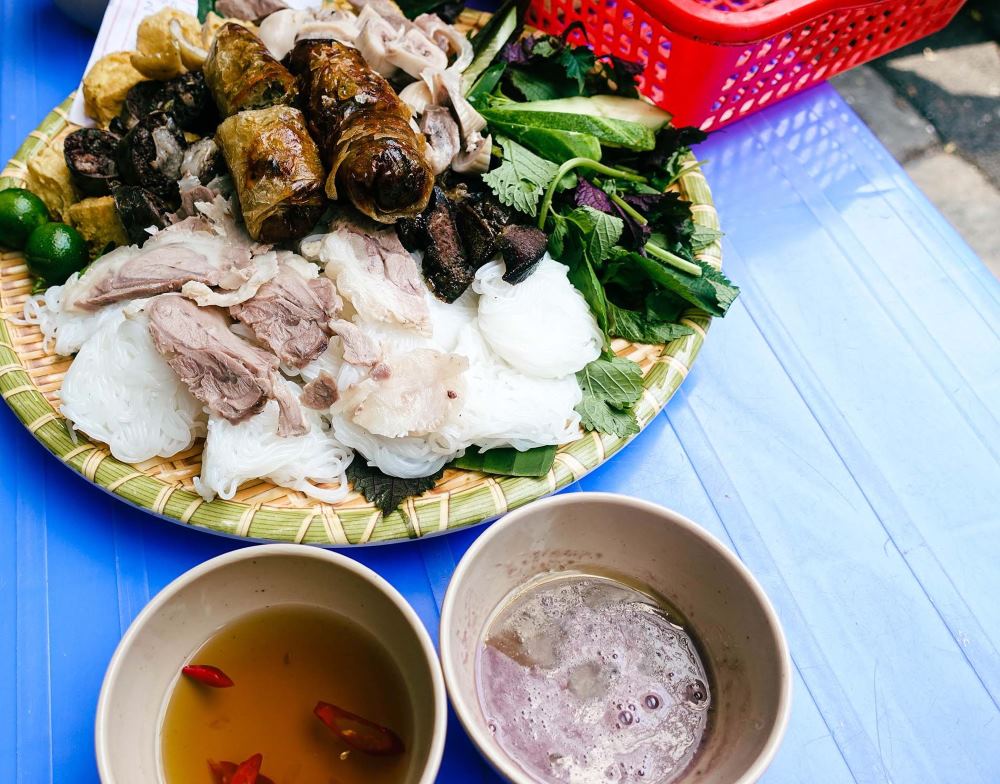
x=557 y=237
x=703 y=236
x=596 y=415
x=386 y=492
x=582 y=239
x=544 y=48
x=596 y=231
x=635 y=326
x=522 y=178
x=725 y=291
x=610 y=387
x=606 y=231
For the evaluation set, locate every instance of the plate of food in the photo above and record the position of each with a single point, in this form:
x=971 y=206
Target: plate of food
x=350 y=274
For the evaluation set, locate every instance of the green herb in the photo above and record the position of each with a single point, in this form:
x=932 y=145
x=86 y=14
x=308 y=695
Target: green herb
x=522 y=178
x=578 y=62
x=553 y=145
x=672 y=259
x=666 y=161
x=664 y=305
x=630 y=247
x=584 y=277
x=531 y=86
x=479 y=93
x=487 y=43
x=386 y=492
x=564 y=70
x=578 y=163
x=205 y=7
x=446 y=9
x=639 y=328
x=508 y=461
x=609 y=131
x=599 y=232
x=582 y=239
x=703 y=236
x=611 y=386
x=711 y=291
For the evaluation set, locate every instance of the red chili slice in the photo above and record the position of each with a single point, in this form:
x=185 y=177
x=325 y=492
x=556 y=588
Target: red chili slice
x=209 y=675
x=247 y=772
x=358 y=732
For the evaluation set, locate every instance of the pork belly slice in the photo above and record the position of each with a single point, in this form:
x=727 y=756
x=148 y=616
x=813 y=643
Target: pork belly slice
x=376 y=274
x=416 y=395
x=233 y=378
x=291 y=313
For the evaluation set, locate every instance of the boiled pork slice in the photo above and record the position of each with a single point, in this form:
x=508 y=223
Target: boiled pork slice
x=188 y=251
x=233 y=378
x=291 y=313
x=375 y=274
x=416 y=395
x=358 y=347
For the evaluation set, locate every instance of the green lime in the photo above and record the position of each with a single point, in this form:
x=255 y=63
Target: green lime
x=55 y=251
x=21 y=212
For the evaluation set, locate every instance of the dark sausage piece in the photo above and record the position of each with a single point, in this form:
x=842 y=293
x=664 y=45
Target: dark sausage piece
x=186 y=97
x=139 y=209
x=90 y=156
x=151 y=153
x=522 y=247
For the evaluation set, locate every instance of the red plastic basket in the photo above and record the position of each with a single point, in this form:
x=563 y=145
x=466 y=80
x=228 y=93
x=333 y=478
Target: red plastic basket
x=710 y=62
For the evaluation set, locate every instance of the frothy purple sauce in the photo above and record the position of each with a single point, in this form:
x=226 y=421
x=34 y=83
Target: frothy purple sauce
x=586 y=680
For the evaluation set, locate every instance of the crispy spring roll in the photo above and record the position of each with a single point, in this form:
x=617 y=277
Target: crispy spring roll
x=373 y=155
x=277 y=170
x=242 y=74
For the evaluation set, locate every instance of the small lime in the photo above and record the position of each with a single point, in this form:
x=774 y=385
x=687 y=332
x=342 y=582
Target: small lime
x=21 y=212
x=55 y=251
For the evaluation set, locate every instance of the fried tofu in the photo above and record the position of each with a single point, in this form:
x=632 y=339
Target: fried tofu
x=159 y=55
x=107 y=83
x=97 y=220
x=50 y=180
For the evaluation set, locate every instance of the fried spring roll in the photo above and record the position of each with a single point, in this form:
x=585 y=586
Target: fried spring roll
x=374 y=157
x=277 y=170
x=242 y=74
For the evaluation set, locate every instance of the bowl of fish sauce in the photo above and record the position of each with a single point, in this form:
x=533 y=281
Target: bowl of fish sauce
x=272 y=664
x=592 y=637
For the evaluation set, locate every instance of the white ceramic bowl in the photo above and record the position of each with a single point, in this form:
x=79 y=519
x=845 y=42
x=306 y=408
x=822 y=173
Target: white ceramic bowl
x=741 y=641
x=187 y=612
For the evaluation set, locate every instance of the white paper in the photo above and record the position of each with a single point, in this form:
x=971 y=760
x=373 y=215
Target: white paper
x=117 y=34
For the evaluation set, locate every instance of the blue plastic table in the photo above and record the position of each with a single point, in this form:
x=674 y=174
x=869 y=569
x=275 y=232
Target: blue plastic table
x=839 y=431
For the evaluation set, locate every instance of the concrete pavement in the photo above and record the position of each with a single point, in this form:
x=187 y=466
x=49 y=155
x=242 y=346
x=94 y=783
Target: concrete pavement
x=936 y=107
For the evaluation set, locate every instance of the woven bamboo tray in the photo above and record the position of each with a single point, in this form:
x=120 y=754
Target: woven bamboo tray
x=30 y=379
